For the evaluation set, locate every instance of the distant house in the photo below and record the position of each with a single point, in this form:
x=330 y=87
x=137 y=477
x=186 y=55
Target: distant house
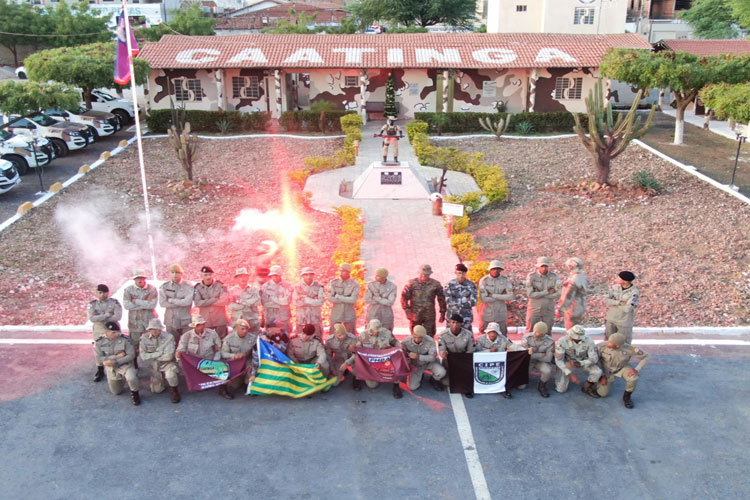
x=596 y=17
x=705 y=47
x=268 y=13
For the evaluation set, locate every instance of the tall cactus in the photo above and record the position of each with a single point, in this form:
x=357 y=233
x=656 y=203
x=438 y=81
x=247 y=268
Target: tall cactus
x=498 y=128
x=606 y=136
x=185 y=145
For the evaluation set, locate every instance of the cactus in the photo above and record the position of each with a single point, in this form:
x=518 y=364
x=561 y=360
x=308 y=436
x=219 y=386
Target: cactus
x=606 y=136
x=186 y=147
x=498 y=128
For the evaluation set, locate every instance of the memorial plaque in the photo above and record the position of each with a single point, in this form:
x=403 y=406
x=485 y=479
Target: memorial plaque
x=390 y=178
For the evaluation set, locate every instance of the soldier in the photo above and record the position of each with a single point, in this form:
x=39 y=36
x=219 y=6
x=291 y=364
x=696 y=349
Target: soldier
x=308 y=350
x=576 y=350
x=622 y=301
x=418 y=300
x=455 y=338
x=340 y=351
x=343 y=293
x=244 y=298
x=276 y=295
x=309 y=296
x=392 y=133
x=492 y=341
x=495 y=290
x=614 y=356
x=573 y=298
x=421 y=351
x=100 y=311
x=140 y=300
x=176 y=297
x=157 y=350
x=461 y=296
x=377 y=337
x=237 y=345
x=204 y=343
x=116 y=353
x=276 y=335
x=380 y=295
x=543 y=288
x=211 y=297
x=541 y=347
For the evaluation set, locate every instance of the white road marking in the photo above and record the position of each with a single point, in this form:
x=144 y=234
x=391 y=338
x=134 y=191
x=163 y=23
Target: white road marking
x=470 y=449
x=46 y=341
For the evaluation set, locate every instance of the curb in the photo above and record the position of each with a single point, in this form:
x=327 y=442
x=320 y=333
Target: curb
x=250 y=136
x=480 y=136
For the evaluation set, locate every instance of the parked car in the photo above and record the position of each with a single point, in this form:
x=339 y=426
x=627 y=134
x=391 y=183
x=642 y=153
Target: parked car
x=64 y=136
x=9 y=178
x=122 y=108
x=21 y=73
x=20 y=152
x=101 y=123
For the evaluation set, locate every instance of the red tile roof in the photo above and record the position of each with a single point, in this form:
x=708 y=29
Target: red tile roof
x=707 y=47
x=429 y=50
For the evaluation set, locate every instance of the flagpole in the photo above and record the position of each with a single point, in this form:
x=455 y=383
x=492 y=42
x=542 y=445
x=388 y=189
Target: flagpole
x=138 y=136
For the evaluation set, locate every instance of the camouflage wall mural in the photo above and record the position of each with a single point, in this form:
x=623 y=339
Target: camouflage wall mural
x=564 y=89
x=208 y=98
x=334 y=86
x=483 y=91
x=245 y=90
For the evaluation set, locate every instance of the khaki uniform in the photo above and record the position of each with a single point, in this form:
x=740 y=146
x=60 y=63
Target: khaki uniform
x=276 y=299
x=616 y=363
x=310 y=352
x=308 y=301
x=343 y=294
x=391 y=133
x=140 y=304
x=460 y=298
x=583 y=352
x=211 y=300
x=427 y=360
x=158 y=354
x=573 y=298
x=338 y=353
x=205 y=346
x=541 y=305
x=380 y=298
x=176 y=299
x=101 y=311
x=541 y=360
x=495 y=292
x=383 y=340
x=463 y=342
x=233 y=344
x=418 y=301
x=243 y=304
x=620 y=317
x=501 y=344
x=105 y=350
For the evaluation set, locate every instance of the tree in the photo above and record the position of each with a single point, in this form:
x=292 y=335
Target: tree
x=728 y=101
x=711 y=19
x=349 y=25
x=295 y=25
x=416 y=12
x=684 y=74
x=74 y=25
x=86 y=66
x=606 y=136
x=18 y=18
x=25 y=98
x=390 y=98
x=741 y=10
x=190 y=21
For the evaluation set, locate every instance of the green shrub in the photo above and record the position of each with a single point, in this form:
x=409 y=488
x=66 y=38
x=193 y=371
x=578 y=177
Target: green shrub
x=159 y=120
x=464 y=246
x=645 y=180
x=322 y=106
x=416 y=127
x=317 y=164
x=555 y=121
x=524 y=128
x=312 y=121
x=351 y=122
x=224 y=125
x=460 y=223
x=471 y=200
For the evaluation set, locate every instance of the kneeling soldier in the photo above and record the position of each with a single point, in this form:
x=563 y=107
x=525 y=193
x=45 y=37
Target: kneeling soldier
x=493 y=341
x=308 y=350
x=576 y=350
x=157 y=351
x=116 y=353
x=541 y=347
x=340 y=351
x=237 y=345
x=455 y=339
x=421 y=351
x=614 y=355
x=377 y=337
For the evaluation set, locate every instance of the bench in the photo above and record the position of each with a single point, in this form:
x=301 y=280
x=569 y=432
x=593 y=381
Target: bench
x=376 y=109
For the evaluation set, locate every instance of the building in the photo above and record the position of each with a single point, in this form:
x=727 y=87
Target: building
x=521 y=72
x=593 y=17
x=268 y=14
x=660 y=19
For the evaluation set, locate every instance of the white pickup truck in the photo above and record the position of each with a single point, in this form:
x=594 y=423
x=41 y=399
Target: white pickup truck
x=64 y=136
x=19 y=150
x=122 y=108
x=9 y=178
x=102 y=123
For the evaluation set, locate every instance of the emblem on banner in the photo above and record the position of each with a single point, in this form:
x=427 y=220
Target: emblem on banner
x=214 y=369
x=489 y=373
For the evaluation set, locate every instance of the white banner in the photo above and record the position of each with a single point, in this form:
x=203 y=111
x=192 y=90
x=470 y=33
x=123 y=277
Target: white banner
x=489 y=372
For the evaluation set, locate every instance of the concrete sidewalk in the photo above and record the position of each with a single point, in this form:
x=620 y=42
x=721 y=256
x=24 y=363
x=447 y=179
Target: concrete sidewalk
x=716 y=126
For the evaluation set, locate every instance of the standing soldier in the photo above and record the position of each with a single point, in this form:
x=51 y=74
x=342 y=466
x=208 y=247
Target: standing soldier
x=116 y=353
x=418 y=300
x=204 y=343
x=622 y=301
x=308 y=350
x=573 y=298
x=211 y=297
x=340 y=351
x=541 y=347
x=244 y=298
x=543 y=288
x=237 y=345
x=614 y=356
x=276 y=296
x=380 y=295
x=139 y=299
x=101 y=311
x=455 y=338
x=377 y=337
x=309 y=296
x=495 y=290
x=157 y=350
x=576 y=350
x=461 y=296
x=392 y=133
x=492 y=341
x=176 y=298
x=421 y=351
x=343 y=293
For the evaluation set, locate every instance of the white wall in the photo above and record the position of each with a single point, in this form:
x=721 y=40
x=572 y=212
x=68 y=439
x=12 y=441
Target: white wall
x=555 y=16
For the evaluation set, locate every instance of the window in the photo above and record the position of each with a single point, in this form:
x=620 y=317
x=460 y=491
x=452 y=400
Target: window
x=563 y=89
x=245 y=86
x=187 y=90
x=520 y=8
x=583 y=16
x=350 y=81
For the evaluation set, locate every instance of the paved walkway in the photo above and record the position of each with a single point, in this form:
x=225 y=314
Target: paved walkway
x=399 y=235
x=716 y=126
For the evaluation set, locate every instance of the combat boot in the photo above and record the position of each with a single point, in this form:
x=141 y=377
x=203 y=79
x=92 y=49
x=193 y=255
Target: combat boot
x=542 y=388
x=395 y=159
x=99 y=375
x=397 y=391
x=506 y=394
x=356 y=384
x=626 y=400
x=385 y=159
x=437 y=385
x=588 y=388
x=135 y=398
x=224 y=392
x=175 y=394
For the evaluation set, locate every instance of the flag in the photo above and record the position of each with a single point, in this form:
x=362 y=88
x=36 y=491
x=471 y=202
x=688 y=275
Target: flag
x=487 y=372
x=205 y=373
x=279 y=375
x=122 y=59
x=381 y=365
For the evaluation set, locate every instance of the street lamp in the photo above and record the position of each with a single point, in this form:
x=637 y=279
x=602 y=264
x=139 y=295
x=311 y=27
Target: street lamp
x=740 y=139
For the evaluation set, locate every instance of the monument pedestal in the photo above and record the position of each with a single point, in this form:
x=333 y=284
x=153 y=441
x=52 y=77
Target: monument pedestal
x=391 y=181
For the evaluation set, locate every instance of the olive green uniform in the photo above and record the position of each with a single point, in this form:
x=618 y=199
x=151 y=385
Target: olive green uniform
x=338 y=354
x=620 y=317
x=583 y=352
x=101 y=311
x=343 y=294
x=176 y=299
x=140 y=304
x=541 y=305
x=380 y=298
x=495 y=292
x=383 y=340
x=427 y=360
x=308 y=352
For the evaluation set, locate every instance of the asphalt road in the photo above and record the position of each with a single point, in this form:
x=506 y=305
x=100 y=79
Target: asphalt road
x=64 y=436
x=59 y=170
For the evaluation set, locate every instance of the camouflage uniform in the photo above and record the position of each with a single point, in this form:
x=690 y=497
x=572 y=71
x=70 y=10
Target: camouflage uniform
x=140 y=304
x=243 y=304
x=541 y=360
x=308 y=300
x=206 y=345
x=620 y=317
x=211 y=300
x=573 y=298
x=338 y=354
x=616 y=363
x=494 y=293
x=234 y=344
x=308 y=352
x=380 y=298
x=106 y=349
x=383 y=340
x=343 y=294
x=101 y=311
x=418 y=301
x=427 y=360
x=541 y=305
x=176 y=299
x=460 y=298
x=158 y=353
x=448 y=342
x=276 y=298
x=583 y=352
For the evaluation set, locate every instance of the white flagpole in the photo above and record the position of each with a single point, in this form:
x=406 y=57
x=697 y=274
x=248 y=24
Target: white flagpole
x=138 y=136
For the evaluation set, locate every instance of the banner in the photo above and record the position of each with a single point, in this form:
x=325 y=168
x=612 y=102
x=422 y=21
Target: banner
x=487 y=372
x=279 y=375
x=122 y=58
x=203 y=374
x=381 y=365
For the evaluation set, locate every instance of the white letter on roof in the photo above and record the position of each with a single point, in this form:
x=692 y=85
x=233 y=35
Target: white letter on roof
x=501 y=56
x=252 y=54
x=429 y=55
x=354 y=54
x=395 y=56
x=299 y=55
x=546 y=54
x=188 y=56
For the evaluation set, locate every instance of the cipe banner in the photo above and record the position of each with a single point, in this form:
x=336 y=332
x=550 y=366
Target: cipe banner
x=381 y=365
x=487 y=372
